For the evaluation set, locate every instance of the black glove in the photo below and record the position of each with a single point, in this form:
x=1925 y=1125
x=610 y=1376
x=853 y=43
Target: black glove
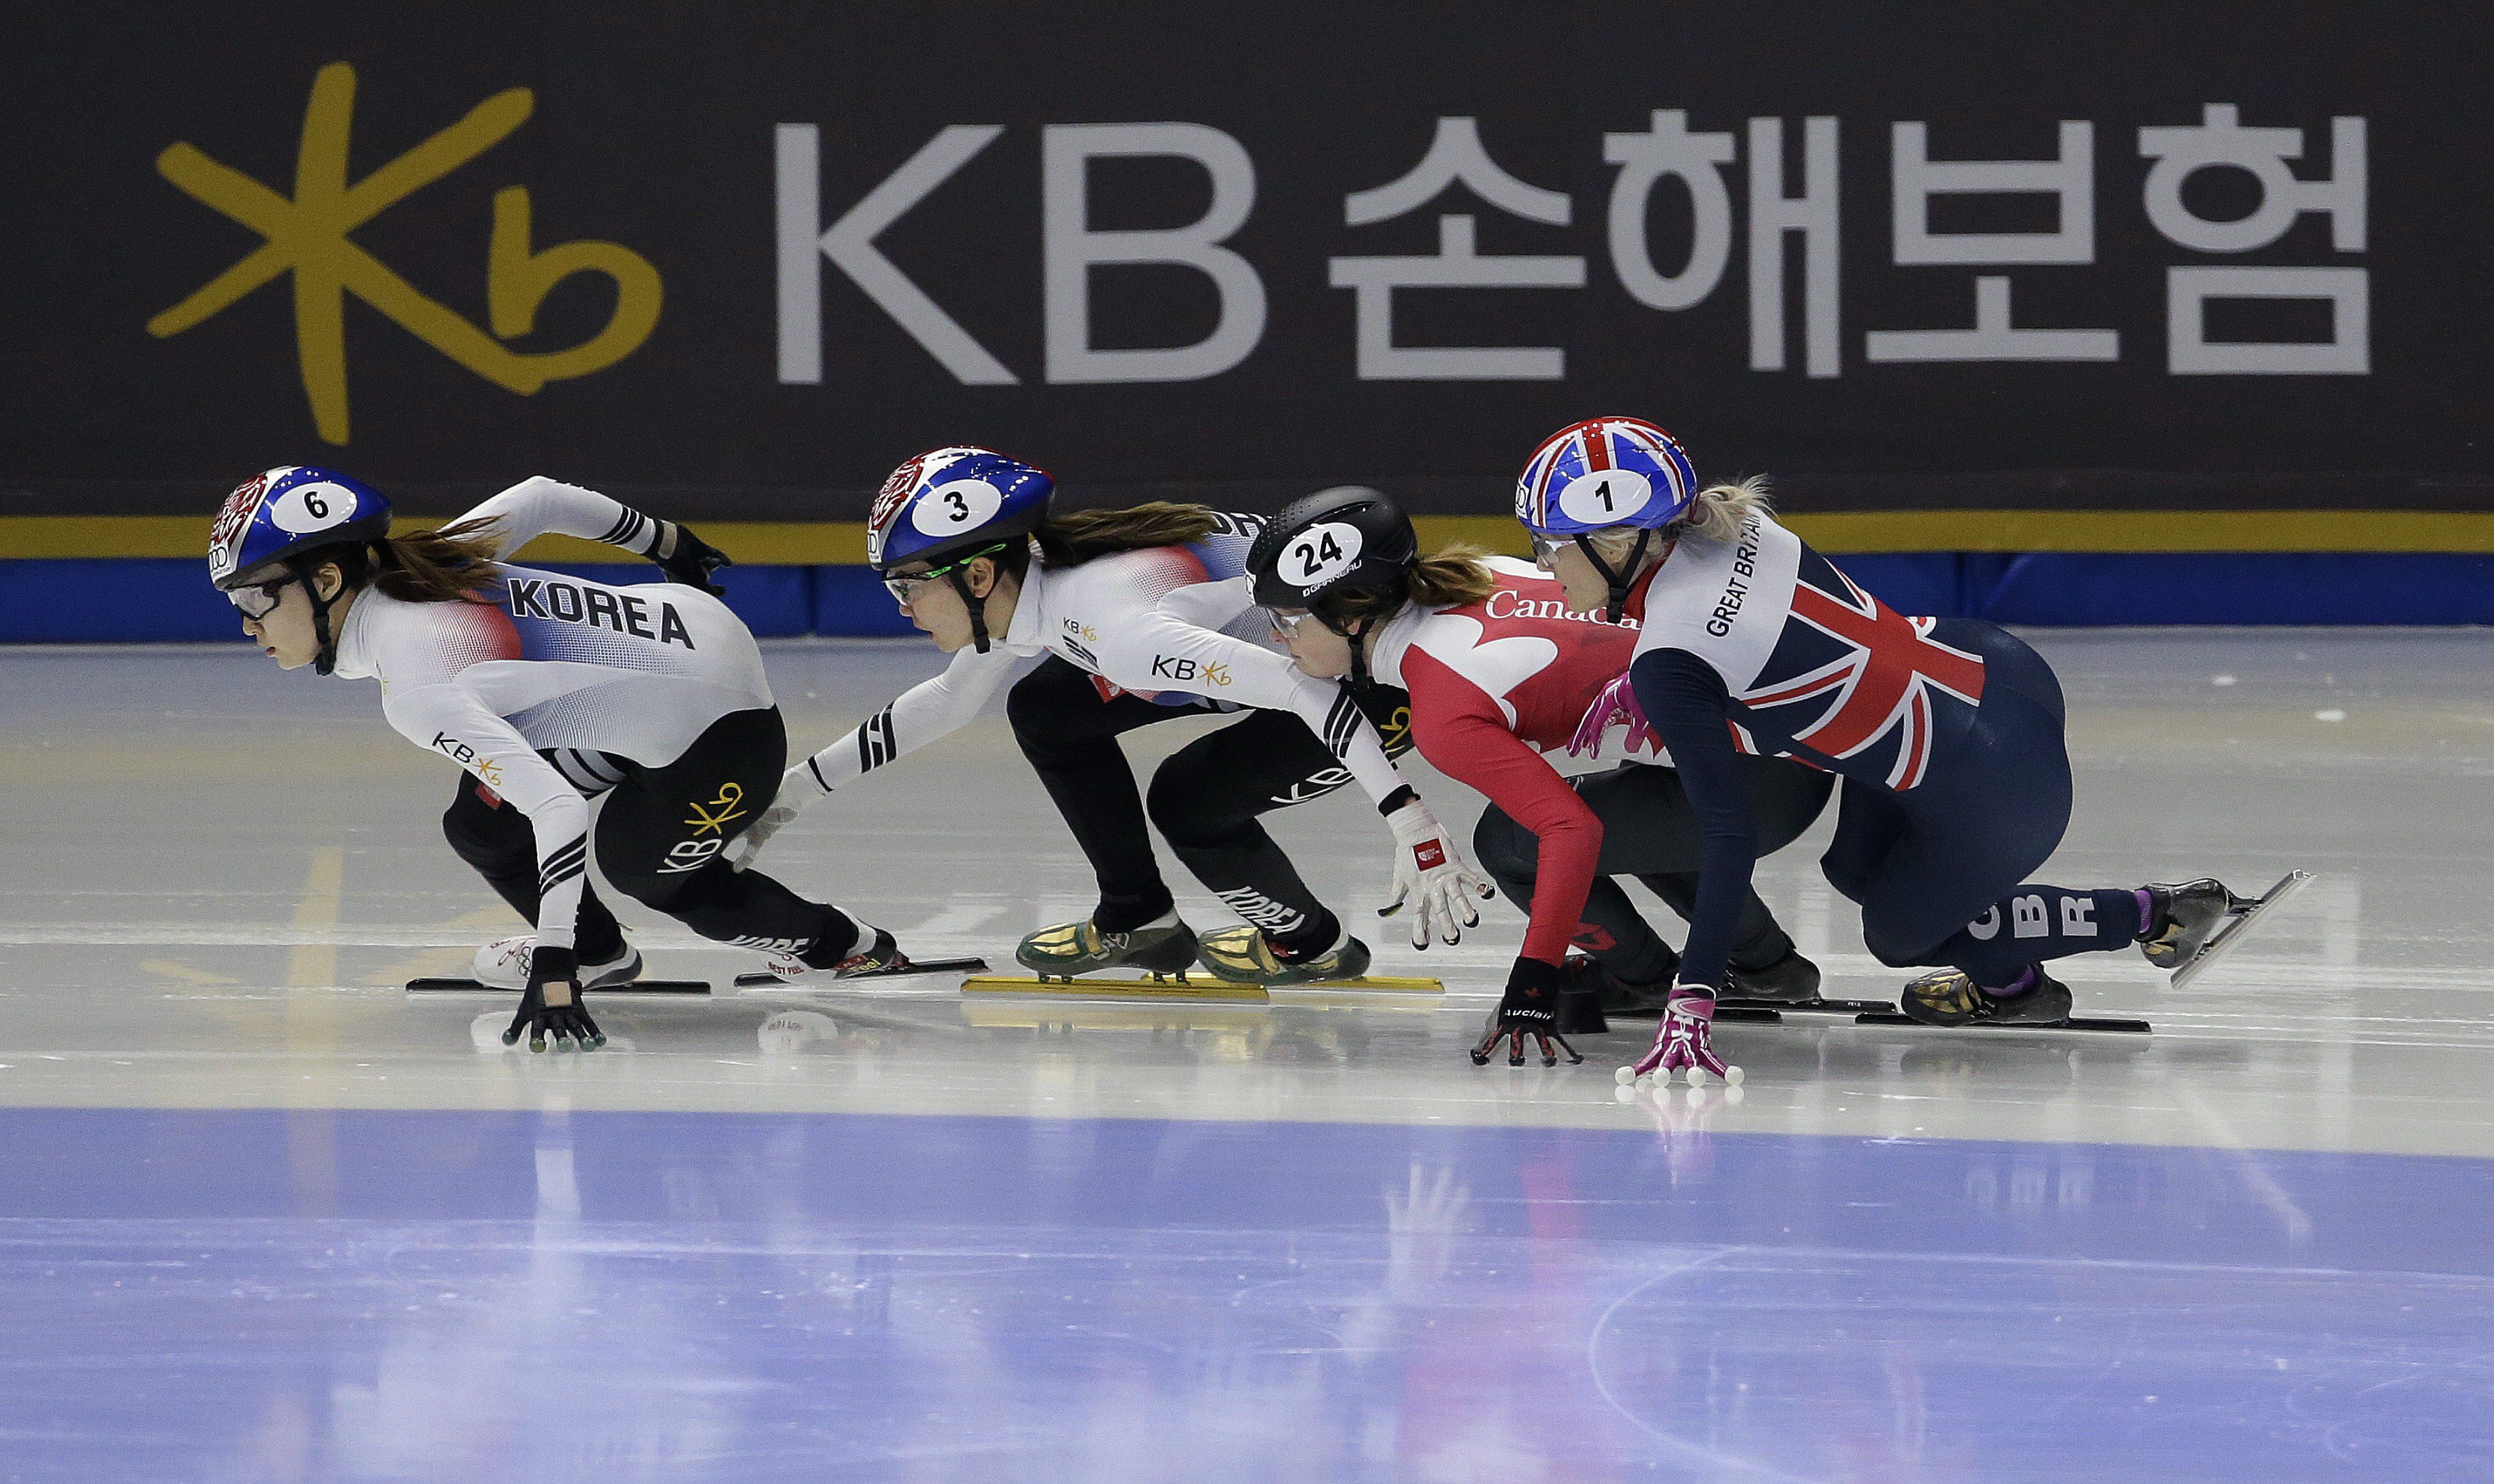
x=691 y=561
x=543 y=1021
x=1529 y=1007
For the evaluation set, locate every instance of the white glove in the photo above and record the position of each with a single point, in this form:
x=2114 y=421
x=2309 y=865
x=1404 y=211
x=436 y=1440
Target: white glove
x=1434 y=876
x=798 y=787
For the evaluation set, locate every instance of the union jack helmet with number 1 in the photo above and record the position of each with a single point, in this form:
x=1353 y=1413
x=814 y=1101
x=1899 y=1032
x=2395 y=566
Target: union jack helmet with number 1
x=1603 y=473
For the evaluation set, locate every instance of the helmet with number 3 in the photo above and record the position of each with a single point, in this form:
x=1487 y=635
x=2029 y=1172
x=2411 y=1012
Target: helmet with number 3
x=286 y=511
x=1602 y=472
x=951 y=503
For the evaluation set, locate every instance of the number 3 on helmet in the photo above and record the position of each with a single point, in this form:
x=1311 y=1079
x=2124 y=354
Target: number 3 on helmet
x=947 y=503
x=1605 y=472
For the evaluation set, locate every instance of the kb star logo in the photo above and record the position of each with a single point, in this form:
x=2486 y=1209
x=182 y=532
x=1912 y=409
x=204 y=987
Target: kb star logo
x=307 y=236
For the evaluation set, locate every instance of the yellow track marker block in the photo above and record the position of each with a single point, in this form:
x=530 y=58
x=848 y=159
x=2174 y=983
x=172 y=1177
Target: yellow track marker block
x=1192 y=989
x=1121 y=988
x=1373 y=983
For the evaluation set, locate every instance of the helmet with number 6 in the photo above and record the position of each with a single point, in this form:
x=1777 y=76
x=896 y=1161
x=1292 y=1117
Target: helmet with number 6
x=286 y=511
x=1334 y=542
x=951 y=503
x=1602 y=472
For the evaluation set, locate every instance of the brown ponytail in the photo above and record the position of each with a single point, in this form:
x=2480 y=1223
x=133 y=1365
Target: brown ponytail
x=1078 y=535
x=453 y=565
x=1458 y=575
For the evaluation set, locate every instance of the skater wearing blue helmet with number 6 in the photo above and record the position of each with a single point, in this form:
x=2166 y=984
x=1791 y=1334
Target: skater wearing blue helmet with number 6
x=1945 y=735
x=633 y=720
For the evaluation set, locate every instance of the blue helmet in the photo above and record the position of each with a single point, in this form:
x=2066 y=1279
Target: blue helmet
x=952 y=503
x=288 y=510
x=1603 y=473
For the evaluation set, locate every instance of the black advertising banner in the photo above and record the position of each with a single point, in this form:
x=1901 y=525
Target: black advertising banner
x=746 y=258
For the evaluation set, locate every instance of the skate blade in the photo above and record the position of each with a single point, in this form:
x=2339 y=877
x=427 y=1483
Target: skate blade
x=768 y=981
x=2236 y=926
x=2094 y=1023
x=1809 y=1007
x=601 y=991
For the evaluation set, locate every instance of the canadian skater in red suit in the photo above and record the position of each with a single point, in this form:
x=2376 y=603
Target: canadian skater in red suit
x=1500 y=672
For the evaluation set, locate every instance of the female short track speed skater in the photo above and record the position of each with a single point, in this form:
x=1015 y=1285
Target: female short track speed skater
x=1500 y=672
x=1142 y=618
x=1945 y=735
x=550 y=691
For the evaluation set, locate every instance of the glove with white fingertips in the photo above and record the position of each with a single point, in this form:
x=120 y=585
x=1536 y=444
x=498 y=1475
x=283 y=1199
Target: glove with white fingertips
x=551 y=1007
x=1618 y=702
x=1684 y=1039
x=689 y=559
x=1529 y=1007
x=799 y=787
x=1432 y=877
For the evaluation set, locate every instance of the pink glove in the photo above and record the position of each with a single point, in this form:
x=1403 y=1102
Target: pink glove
x=1618 y=702
x=1685 y=1037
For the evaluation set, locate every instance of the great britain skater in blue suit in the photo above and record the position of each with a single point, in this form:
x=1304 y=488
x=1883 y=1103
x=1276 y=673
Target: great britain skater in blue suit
x=1945 y=735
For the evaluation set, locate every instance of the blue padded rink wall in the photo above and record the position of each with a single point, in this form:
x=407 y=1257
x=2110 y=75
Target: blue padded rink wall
x=264 y=1217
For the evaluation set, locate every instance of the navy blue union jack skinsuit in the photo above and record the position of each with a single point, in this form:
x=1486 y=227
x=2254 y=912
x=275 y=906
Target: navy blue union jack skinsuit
x=1945 y=735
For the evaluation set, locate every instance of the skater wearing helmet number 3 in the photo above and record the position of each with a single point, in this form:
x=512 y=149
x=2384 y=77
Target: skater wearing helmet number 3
x=1142 y=618
x=549 y=691
x=1945 y=735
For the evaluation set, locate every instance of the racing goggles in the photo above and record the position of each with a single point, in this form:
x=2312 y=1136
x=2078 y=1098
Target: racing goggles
x=905 y=589
x=260 y=600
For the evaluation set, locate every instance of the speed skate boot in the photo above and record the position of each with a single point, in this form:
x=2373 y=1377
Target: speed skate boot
x=1158 y=949
x=1790 y=980
x=875 y=951
x=1950 y=997
x=1612 y=994
x=1585 y=993
x=2182 y=919
x=1243 y=956
x=504 y=964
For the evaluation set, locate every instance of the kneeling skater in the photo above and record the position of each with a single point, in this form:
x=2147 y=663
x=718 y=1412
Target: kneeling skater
x=551 y=691
x=1142 y=617
x=1500 y=672
x=1946 y=735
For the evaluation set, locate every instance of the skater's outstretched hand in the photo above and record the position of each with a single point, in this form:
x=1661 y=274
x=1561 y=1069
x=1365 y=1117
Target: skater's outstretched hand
x=1529 y=1007
x=1618 y=702
x=689 y=559
x=553 y=1011
x=799 y=787
x=1433 y=876
x=1684 y=1040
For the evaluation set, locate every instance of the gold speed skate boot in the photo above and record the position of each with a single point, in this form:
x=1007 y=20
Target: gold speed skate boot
x=1949 y=997
x=1068 y=948
x=1241 y=956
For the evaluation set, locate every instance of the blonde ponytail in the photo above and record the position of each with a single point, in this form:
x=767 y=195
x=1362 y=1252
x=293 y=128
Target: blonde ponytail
x=1721 y=509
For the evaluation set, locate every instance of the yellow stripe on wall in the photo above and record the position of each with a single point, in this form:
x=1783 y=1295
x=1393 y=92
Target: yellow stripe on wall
x=833 y=544
x=2078 y=530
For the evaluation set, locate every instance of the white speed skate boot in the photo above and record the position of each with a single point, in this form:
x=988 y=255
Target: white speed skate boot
x=875 y=954
x=504 y=964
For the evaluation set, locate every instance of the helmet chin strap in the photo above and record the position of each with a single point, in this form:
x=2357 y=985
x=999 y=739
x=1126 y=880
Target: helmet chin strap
x=1620 y=581
x=1359 y=681
x=325 y=660
x=978 y=606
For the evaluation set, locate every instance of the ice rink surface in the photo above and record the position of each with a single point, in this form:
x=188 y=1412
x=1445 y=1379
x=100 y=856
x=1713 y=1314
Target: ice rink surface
x=264 y=1217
